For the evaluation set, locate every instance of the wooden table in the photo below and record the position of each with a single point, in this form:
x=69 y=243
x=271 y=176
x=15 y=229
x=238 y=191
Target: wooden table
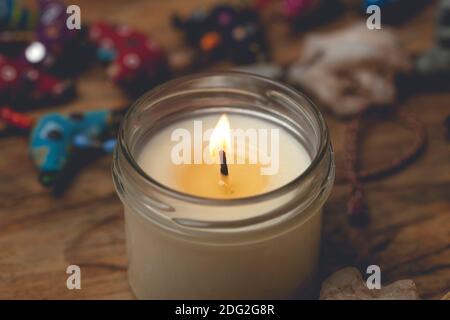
x=409 y=236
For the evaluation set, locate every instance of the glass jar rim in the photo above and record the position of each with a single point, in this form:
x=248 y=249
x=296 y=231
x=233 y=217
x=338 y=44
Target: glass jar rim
x=319 y=155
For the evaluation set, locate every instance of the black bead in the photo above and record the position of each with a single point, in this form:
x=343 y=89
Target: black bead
x=54 y=135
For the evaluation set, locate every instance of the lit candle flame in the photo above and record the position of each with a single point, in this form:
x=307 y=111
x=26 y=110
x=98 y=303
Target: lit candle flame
x=220 y=138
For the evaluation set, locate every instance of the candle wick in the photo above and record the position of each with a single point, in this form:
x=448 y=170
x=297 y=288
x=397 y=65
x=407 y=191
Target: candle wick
x=223 y=163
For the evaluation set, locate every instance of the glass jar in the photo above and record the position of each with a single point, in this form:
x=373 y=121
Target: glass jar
x=270 y=250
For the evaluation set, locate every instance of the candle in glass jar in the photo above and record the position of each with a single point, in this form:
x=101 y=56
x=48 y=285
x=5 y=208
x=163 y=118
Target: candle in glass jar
x=200 y=227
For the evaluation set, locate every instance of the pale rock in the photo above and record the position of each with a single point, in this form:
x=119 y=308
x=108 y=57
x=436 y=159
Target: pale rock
x=351 y=69
x=348 y=284
x=446 y=297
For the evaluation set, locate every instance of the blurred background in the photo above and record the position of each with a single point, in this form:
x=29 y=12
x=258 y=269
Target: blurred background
x=353 y=75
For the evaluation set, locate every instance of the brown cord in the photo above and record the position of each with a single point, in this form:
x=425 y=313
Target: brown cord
x=356 y=207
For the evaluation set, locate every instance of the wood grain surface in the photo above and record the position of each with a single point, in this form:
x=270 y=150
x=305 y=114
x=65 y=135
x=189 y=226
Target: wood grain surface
x=409 y=235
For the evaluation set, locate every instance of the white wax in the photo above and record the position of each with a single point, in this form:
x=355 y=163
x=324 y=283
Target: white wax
x=163 y=266
x=155 y=157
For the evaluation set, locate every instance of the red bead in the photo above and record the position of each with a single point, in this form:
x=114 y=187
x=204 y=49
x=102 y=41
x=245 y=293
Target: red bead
x=137 y=58
x=15 y=119
x=19 y=80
